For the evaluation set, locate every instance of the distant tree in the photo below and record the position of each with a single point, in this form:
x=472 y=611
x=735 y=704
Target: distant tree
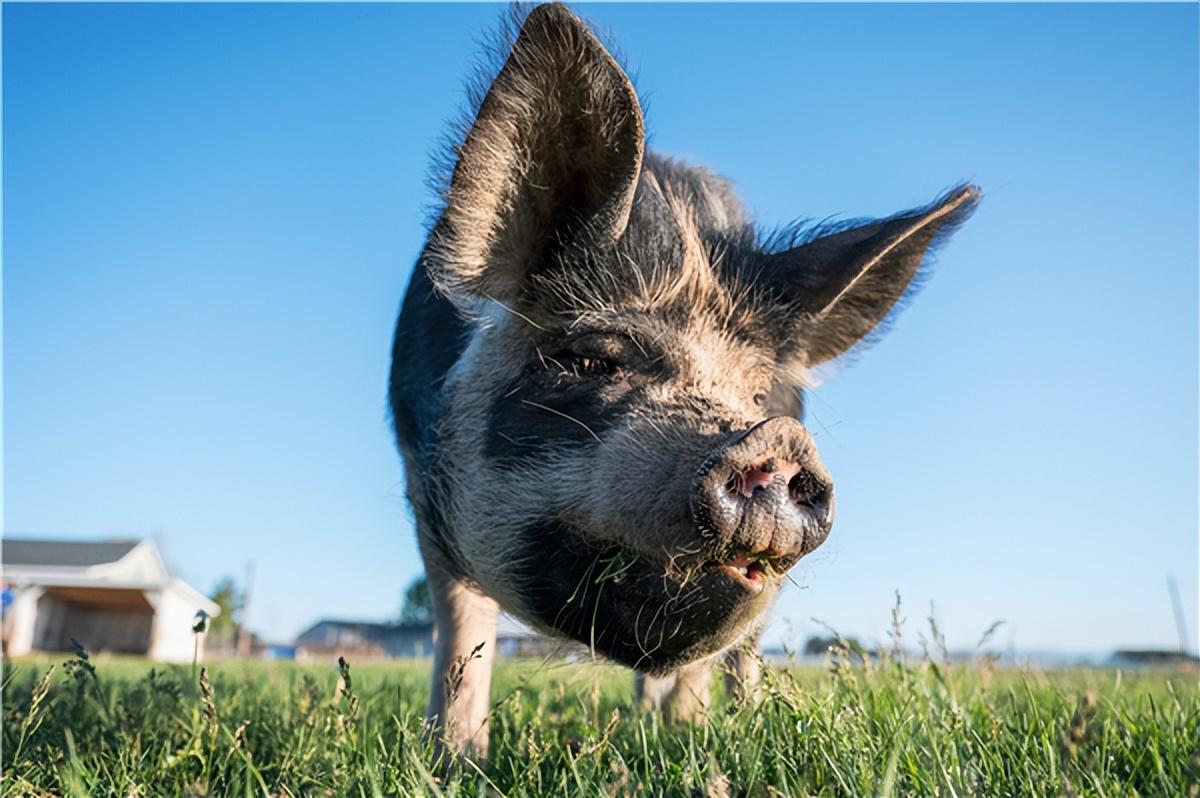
x=418 y=605
x=817 y=645
x=229 y=598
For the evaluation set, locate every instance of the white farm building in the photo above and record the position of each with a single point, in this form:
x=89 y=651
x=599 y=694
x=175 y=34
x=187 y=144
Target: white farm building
x=114 y=596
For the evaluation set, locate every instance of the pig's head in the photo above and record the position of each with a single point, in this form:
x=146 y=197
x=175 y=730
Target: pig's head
x=622 y=458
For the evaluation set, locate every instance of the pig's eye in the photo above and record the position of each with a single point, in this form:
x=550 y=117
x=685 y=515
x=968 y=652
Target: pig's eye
x=760 y=399
x=590 y=365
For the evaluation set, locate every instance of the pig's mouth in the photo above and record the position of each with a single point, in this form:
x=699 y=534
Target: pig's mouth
x=638 y=610
x=748 y=573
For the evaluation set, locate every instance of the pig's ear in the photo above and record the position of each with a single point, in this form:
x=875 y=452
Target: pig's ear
x=554 y=152
x=839 y=287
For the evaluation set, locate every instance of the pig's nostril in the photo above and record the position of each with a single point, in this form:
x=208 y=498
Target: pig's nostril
x=755 y=479
x=746 y=483
x=805 y=488
x=733 y=486
x=750 y=481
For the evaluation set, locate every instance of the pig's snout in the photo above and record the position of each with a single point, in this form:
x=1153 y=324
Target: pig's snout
x=764 y=494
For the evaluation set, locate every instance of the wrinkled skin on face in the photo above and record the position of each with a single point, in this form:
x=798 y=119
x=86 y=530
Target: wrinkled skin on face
x=588 y=474
x=599 y=367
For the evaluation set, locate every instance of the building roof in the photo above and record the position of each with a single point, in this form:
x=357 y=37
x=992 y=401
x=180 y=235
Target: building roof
x=389 y=639
x=369 y=627
x=507 y=627
x=63 y=553
x=94 y=564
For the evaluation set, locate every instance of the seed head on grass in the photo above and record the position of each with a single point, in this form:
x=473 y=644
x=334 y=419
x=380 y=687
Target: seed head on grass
x=33 y=718
x=345 y=690
x=1080 y=730
x=896 y=632
x=208 y=703
x=345 y=685
x=239 y=738
x=82 y=671
x=82 y=662
x=453 y=680
x=986 y=660
x=454 y=677
x=988 y=634
x=939 y=639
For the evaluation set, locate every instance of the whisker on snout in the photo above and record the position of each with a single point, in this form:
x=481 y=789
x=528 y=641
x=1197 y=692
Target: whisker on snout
x=563 y=415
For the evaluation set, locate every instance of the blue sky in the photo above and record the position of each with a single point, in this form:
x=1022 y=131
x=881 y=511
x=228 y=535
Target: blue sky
x=211 y=213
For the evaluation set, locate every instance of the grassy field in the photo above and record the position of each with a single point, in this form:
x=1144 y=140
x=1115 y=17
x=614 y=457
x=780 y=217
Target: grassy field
x=882 y=727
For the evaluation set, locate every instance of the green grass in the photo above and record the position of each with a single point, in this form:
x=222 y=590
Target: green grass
x=131 y=728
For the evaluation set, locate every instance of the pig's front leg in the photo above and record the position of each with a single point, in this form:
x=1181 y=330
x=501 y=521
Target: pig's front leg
x=743 y=672
x=690 y=697
x=462 y=668
x=650 y=692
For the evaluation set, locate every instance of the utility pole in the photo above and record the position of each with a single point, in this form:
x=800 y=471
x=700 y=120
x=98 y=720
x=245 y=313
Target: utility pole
x=1180 y=623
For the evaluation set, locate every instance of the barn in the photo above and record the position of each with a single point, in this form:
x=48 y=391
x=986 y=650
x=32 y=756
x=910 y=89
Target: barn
x=365 y=639
x=329 y=638
x=113 y=595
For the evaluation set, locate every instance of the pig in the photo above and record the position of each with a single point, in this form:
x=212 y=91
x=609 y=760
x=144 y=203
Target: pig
x=598 y=379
